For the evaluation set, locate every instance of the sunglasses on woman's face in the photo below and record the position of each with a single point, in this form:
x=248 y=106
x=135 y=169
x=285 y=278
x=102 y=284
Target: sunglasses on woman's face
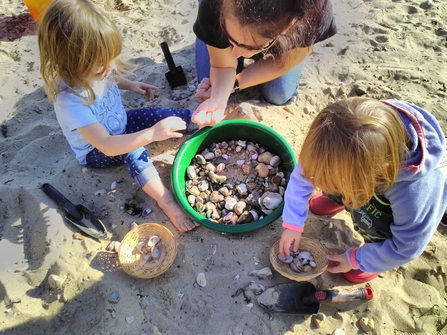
x=248 y=47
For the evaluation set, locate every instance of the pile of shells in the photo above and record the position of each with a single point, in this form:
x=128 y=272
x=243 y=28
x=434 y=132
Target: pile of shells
x=235 y=182
x=300 y=261
x=150 y=250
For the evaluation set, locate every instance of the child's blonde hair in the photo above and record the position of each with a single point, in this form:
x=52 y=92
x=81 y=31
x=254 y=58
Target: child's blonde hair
x=74 y=37
x=354 y=147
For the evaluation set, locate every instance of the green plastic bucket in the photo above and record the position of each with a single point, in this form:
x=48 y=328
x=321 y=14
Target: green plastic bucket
x=226 y=131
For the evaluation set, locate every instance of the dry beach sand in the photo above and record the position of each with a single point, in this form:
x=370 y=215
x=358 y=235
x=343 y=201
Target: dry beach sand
x=384 y=48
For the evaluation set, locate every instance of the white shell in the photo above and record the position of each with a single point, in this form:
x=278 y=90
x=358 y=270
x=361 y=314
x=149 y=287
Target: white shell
x=201 y=280
x=152 y=242
x=141 y=247
x=287 y=259
x=304 y=257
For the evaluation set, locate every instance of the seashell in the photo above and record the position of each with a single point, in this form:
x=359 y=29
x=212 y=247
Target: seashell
x=223 y=145
x=262 y=274
x=209 y=156
x=274 y=161
x=230 y=202
x=227 y=218
x=191 y=172
x=240 y=162
x=215 y=196
x=265 y=157
x=113 y=185
x=194 y=190
x=210 y=206
x=116 y=246
x=146 y=211
x=200 y=206
x=220 y=167
x=156 y=251
x=200 y=159
x=191 y=199
x=240 y=207
x=239 y=148
x=141 y=247
x=367 y=324
x=152 y=242
x=271 y=200
x=242 y=189
x=307 y=268
x=242 y=143
x=199 y=199
x=338 y=331
x=100 y=193
x=224 y=191
x=313 y=264
x=262 y=170
x=243 y=217
x=318 y=319
x=286 y=259
x=148 y=257
x=246 y=169
x=254 y=214
x=215 y=178
x=215 y=215
x=210 y=167
x=217 y=152
x=296 y=265
x=304 y=257
x=201 y=280
x=203 y=185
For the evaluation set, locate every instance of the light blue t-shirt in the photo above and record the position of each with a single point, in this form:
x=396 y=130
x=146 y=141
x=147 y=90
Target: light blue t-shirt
x=72 y=114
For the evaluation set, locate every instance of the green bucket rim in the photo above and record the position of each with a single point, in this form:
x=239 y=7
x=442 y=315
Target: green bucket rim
x=195 y=143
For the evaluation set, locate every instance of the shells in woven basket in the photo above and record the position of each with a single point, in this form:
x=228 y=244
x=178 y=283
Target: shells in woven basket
x=311 y=245
x=135 y=262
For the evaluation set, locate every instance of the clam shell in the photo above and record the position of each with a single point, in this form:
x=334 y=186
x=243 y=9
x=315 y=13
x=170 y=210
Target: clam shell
x=265 y=157
x=201 y=280
x=286 y=259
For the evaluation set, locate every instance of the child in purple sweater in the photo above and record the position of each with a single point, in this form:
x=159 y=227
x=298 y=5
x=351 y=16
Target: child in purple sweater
x=380 y=160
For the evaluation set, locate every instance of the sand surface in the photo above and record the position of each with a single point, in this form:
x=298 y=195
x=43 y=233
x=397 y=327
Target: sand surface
x=384 y=49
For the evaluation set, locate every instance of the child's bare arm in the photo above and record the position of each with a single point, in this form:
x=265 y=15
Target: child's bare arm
x=115 y=145
x=137 y=87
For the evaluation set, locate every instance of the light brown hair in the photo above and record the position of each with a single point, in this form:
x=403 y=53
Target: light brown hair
x=73 y=37
x=354 y=147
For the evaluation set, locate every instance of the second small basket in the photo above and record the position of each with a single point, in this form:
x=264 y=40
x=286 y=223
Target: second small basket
x=128 y=255
x=316 y=249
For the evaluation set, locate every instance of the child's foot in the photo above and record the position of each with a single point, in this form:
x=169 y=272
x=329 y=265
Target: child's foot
x=177 y=216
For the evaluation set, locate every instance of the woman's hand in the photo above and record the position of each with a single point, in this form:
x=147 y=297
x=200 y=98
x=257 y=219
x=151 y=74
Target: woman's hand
x=209 y=113
x=203 y=89
x=290 y=240
x=167 y=128
x=143 y=88
x=338 y=263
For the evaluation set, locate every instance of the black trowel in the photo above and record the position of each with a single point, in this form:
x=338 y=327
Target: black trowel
x=175 y=75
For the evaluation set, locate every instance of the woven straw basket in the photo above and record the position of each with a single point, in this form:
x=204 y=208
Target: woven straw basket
x=128 y=255
x=316 y=249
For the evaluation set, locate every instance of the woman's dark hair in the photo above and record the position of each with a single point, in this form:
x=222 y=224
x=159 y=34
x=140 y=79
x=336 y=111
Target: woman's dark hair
x=269 y=18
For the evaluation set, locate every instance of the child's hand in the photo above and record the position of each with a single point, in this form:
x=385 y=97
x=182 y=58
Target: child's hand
x=143 y=88
x=167 y=128
x=290 y=239
x=338 y=263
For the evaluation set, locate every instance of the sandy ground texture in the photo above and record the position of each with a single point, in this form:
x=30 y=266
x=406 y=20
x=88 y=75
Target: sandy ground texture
x=384 y=49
